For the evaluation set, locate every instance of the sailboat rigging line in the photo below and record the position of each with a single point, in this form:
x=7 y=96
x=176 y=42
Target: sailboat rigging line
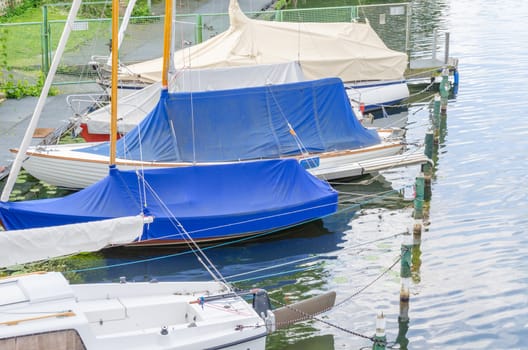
x=170 y=68
x=173 y=134
x=242 y=222
x=311 y=257
x=299 y=40
x=298 y=141
x=302 y=269
x=197 y=251
x=192 y=127
x=142 y=190
x=168 y=256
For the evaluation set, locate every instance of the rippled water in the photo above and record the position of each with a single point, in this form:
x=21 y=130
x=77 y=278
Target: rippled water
x=469 y=286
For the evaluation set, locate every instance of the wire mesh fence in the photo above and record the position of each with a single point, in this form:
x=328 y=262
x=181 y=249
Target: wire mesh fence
x=28 y=47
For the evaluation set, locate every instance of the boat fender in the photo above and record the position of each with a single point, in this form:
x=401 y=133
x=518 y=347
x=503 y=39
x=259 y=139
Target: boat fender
x=261 y=302
x=270 y=322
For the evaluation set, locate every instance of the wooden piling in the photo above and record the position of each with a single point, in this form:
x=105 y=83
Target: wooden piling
x=420 y=195
x=427 y=168
x=380 y=339
x=417 y=228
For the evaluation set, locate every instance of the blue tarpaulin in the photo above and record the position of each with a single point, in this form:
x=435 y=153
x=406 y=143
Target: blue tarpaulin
x=247 y=123
x=209 y=201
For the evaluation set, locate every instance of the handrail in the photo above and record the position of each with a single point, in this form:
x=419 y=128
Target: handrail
x=24 y=274
x=58 y=314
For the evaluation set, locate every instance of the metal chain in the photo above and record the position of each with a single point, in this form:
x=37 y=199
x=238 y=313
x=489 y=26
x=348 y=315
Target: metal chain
x=372 y=282
x=306 y=315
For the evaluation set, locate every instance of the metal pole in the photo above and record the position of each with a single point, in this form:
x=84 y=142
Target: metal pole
x=408 y=34
x=434 y=45
x=45 y=40
x=199 y=29
x=446 y=55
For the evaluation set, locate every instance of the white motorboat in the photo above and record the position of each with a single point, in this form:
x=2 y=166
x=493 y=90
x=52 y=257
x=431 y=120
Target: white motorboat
x=44 y=311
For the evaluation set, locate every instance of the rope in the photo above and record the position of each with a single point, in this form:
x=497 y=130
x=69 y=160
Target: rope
x=210 y=267
x=184 y=233
x=243 y=239
x=315 y=318
x=303 y=269
x=312 y=257
x=292 y=132
x=224 y=244
x=371 y=282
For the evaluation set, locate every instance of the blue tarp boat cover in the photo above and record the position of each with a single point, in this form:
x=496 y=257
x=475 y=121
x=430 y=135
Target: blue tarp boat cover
x=247 y=123
x=210 y=202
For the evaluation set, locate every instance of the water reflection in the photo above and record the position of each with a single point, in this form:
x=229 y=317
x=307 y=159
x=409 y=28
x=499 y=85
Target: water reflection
x=285 y=342
x=236 y=261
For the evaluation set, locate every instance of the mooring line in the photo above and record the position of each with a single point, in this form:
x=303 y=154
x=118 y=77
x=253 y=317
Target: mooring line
x=370 y=283
x=306 y=315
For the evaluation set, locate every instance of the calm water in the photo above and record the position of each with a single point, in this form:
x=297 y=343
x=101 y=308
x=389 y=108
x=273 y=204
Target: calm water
x=470 y=271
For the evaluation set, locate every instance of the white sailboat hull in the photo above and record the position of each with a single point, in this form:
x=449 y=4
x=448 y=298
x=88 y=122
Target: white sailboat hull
x=63 y=166
x=377 y=94
x=45 y=309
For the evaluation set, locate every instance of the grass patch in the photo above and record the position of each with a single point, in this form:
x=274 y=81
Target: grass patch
x=23 y=37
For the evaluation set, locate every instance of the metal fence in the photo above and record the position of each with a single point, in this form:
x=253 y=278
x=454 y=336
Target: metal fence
x=142 y=41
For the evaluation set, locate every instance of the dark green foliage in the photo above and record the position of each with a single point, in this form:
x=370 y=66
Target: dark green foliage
x=19 y=9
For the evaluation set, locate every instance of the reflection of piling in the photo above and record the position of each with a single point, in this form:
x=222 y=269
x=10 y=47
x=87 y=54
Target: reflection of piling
x=444 y=89
x=427 y=168
x=380 y=339
x=416 y=261
x=429 y=136
x=436 y=117
x=405 y=268
x=405 y=275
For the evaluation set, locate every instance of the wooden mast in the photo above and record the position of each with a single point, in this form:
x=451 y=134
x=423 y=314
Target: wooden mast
x=166 y=44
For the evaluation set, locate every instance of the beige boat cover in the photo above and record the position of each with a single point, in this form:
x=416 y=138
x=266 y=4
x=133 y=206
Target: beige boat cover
x=351 y=51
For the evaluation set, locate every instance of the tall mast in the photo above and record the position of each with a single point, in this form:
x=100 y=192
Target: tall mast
x=113 y=95
x=28 y=136
x=166 y=44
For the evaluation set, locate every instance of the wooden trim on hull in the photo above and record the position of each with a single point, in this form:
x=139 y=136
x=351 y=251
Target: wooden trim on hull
x=70 y=171
x=331 y=154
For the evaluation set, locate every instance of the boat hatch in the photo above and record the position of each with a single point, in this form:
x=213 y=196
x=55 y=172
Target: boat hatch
x=12 y=293
x=35 y=288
